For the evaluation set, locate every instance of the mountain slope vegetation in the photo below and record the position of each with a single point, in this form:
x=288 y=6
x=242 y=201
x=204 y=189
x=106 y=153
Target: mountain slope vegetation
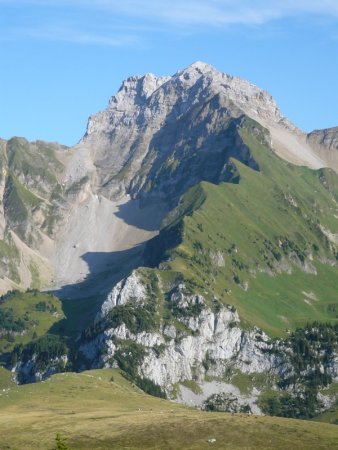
x=266 y=243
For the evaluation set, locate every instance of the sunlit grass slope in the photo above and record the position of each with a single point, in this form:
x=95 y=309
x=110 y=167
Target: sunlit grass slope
x=266 y=244
x=101 y=410
x=25 y=316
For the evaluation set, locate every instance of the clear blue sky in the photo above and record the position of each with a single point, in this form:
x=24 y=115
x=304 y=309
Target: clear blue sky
x=61 y=60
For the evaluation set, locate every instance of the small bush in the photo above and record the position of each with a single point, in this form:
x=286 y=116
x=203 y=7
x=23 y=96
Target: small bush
x=60 y=443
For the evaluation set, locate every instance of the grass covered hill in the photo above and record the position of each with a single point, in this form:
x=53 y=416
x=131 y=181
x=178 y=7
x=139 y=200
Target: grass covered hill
x=101 y=410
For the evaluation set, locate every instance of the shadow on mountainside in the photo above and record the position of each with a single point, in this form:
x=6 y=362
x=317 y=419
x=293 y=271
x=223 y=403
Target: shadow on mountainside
x=193 y=146
x=105 y=270
x=81 y=301
x=142 y=217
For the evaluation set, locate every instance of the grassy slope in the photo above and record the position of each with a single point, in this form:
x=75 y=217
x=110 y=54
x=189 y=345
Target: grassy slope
x=330 y=416
x=31 y=172
x=57 y=317
x=25 y=307
x=257 y=225
x=95 y=412
x=32 y=160
x=36 y=166
x=9 y=259
x=6 y=380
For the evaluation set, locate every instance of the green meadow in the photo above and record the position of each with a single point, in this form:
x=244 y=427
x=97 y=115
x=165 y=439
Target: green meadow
x=99 y=409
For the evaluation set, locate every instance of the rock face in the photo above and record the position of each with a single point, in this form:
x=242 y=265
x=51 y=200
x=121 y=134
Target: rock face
x=30 y=371
x=327 y=138
x=216 y=342
x=126 y=289
x=212 y=341
x=155 y=126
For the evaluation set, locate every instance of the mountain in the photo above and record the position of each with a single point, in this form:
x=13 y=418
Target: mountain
x=131 y=165
x=190 y=238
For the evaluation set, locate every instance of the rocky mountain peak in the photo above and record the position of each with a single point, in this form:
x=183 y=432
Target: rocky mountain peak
x=255 y=102
x=144 y=119
x=195 y=71
x=200 y=66
x=137 y=89
x=149 y=96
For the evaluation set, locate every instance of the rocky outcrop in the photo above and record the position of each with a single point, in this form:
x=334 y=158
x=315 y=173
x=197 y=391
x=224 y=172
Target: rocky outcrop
x=130 y=288
x=217 y=344
x=211 y=342
x=325 y=144
x=327 y=138
x=31 y=371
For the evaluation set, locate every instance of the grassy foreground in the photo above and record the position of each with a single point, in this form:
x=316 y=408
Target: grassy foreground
x=101 y=410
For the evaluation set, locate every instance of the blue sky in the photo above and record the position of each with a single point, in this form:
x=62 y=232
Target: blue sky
x=61 y=60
